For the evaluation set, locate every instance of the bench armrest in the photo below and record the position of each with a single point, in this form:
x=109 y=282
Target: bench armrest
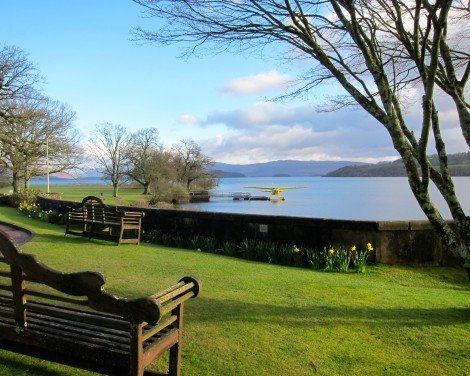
x=170 y=298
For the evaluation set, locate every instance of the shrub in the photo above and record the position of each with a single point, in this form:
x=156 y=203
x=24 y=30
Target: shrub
x=34 y=211
x=229 y=249
x=169 y=193
x=210 y=244
x=31 y=210
x=197 y=242
x=359 y=257
x=180 y=241
x=332 y=259
x=152 y=236
x=315 y=259
x=167 y=240
x=343 y=258
x=23 y=195
x=56 y=218
x=247 y=249
x=140 y=204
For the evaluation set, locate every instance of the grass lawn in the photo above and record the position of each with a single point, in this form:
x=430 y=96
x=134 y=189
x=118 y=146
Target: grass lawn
x=76 y=192
x=260 y=319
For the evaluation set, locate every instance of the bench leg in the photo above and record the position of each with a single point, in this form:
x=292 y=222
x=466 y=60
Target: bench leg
x=175 y=350
x=121 y=234
x=136 y=351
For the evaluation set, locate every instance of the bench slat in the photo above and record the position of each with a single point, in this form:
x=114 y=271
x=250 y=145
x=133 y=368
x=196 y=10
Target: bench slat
x=85 y=317
x=175 y=303
x=152 y=331
x=175 y=292
x=73 y=333
x=5 y=287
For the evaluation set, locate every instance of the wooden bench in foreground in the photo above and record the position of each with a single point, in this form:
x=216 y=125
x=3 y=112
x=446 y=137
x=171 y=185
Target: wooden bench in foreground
x=69 y=318
x=93 y=219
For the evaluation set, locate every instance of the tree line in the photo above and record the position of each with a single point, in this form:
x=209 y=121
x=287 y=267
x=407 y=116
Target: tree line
x=168 y=174
x=38 y=137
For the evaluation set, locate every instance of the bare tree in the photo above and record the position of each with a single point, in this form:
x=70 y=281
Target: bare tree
x=19 y=78
x=374 y=49
x=109 y=151
x=142 y=157
x=190 y=165
x=36 y=132
x=36 y=136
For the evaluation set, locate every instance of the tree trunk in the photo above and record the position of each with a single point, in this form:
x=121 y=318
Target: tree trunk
x=15 y=182
x=146 y=188
x=115 y=189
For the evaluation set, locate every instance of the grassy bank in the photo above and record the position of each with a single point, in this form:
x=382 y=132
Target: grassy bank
x=261 y=319
x=127 y=194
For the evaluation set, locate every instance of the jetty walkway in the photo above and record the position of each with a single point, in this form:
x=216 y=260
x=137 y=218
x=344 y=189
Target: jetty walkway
x=205 y=196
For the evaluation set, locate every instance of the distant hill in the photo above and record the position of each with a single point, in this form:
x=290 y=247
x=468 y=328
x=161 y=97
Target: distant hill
x=224 y=174
x=283 y=168
x=459 y=165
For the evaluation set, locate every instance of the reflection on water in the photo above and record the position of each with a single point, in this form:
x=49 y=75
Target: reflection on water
x=340 y=198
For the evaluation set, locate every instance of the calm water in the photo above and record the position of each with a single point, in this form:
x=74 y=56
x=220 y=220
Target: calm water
x=340 y=198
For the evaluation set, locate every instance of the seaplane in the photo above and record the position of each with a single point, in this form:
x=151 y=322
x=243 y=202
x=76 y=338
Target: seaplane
x=276 y=192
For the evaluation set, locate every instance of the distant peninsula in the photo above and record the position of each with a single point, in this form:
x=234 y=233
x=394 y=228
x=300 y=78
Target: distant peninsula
x=459 y=165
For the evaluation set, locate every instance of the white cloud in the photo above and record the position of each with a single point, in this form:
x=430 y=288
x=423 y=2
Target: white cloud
x=256 y=84
x=270 y=131
x=274 y=142
x=262 y=114
x=189 y=119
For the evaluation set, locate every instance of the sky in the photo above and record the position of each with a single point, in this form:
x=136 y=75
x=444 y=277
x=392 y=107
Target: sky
x=84 y=50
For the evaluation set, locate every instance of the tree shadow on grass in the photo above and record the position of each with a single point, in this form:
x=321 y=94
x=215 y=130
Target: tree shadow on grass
x=71 y=239
x=213 y=310
x=14 y=364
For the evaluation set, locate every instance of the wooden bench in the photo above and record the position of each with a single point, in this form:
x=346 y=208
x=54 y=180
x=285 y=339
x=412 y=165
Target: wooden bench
x=93 y=219
x=69 y=318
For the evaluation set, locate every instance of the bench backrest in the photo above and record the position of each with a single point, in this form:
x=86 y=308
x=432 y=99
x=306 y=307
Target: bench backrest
x=83 y=289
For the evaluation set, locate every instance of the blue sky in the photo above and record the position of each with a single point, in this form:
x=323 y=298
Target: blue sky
x=84 y=51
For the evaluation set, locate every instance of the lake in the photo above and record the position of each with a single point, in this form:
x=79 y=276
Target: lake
x=339 y=198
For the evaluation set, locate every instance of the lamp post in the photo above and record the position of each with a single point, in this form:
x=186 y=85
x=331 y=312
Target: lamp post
x=47 y=162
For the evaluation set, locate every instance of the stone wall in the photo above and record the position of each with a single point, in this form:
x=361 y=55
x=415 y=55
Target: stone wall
x=395 y=242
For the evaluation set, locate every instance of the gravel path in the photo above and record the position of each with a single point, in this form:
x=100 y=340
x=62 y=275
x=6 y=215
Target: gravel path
x=19 y=234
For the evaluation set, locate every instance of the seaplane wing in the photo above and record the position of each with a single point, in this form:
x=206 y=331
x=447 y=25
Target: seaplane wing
x=273 y=190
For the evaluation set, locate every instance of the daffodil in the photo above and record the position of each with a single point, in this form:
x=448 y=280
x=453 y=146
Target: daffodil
x=332 y=250
x=295 y=249
x=369 y=247
x=353 y=248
